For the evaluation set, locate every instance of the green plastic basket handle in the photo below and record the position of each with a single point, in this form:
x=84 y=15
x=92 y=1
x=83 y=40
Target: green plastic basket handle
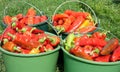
x=78 y=2
x=40 y=12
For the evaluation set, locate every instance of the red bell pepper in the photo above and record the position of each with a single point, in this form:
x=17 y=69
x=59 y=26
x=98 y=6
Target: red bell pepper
x=105 y=58
x=110 y=46
x=116 y=54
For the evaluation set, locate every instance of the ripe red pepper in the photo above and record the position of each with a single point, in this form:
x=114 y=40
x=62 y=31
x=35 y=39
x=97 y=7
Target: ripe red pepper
x=87 y=29
x=8 y=30
x=59 y=16
x=77 y=14
x=77 y=39
x=78 y=51
x=110 y=46
x=24 y=51
x=48 y=47
x=75 y=24
x=105 y=58
x=17 y=25
x=7 y=20
x=29 y=20
x=95 y=53
x=24 y=41
x=66 y=24
x=10 y=46
x=69 y=12
x=54 y=40
x=83 y=14
x=93 y=42
x=33 y=30
x=36 y=20
x=60 y=22
x=99 y=35
x=116 y=54
x=43 y=18
x=23 y=20
x=55 y=23
x=31 y=12
x=19 y=16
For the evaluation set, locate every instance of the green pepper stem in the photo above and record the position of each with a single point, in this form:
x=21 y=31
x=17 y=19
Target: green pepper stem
x=11 y=35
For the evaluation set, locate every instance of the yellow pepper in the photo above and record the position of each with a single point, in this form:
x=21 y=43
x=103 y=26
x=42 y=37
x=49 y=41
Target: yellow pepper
x=34 y=51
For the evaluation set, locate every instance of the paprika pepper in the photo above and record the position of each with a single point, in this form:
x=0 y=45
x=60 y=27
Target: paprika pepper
x=75 y=24
x=31 y=12
x=105 y=58
x=59 y=16
x=54 y=40
x=7 y=20
x=116 y=54
x=110 y=46
x=66 y=24
x=24 y=41
x=78 y=51
x=10 y=46
x=48 y=47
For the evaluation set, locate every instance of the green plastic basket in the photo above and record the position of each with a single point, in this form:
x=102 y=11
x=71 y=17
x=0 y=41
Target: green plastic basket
x=73 y=63
x=18 y=7
x=75 y=5
x=42 y=62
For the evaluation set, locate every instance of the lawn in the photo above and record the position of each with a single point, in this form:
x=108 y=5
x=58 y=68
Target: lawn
x=107 y=11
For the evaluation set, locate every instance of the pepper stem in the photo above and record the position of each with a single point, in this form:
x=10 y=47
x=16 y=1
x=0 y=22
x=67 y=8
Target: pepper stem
x=11 y=35
x=32 y=29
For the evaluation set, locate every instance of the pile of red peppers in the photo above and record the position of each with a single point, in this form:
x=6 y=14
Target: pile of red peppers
x=30 y=18
x=72 y=21
x=18 y=38
x=94 y=47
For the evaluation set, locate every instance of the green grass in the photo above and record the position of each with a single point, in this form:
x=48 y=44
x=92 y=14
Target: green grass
x=107 y=11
